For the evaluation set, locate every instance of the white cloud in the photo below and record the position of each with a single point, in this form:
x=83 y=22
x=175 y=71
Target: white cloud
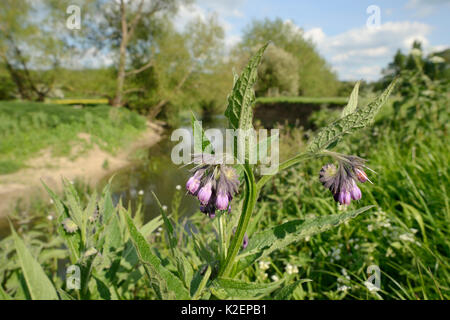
x=315 y=34
x=363 y=52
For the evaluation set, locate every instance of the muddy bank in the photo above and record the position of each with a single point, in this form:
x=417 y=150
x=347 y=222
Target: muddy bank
x=90 y=168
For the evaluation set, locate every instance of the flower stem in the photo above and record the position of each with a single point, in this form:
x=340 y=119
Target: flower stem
x=284 y=165
x=247 y=209
x=222 y=237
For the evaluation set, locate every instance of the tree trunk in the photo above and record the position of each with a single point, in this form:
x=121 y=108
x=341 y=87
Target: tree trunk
x=120 y=76
x=122 y=57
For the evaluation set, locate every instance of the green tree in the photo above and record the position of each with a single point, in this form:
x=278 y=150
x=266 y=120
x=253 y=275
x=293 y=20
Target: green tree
x=314 y=74
x=31 y=46
x=187 y=72
x=118 y=32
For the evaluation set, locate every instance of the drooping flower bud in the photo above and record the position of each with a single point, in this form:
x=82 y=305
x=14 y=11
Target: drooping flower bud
x=355 y=192
x=344 y=197
x=205 y=193
x=222 y=200
x=193 y=183
x=361 y=175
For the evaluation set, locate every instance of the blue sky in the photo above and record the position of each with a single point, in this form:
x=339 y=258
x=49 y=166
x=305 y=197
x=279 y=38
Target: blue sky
x=338 y=28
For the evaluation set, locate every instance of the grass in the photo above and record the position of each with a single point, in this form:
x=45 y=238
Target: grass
x=27 y=128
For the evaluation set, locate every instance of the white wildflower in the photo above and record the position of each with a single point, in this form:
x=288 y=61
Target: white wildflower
x=343 y=288
x=264 y=265
x=274 y=277
x=290 y=269
x=406 y=237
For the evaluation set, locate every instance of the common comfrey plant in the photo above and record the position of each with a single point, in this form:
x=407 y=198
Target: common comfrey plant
x=341 y=180
x=112 y=248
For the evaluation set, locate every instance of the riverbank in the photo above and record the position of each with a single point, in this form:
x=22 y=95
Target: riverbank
x=93 y=165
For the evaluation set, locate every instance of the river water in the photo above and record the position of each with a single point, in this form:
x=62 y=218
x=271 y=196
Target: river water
x=159 y=174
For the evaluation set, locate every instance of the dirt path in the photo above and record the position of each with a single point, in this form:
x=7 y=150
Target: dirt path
x=26 y=183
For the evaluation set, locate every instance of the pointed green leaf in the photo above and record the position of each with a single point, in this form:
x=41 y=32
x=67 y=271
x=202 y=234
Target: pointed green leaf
x=239 y=111
x=201 y=142
x=4 y=295
x=285 y=293
x=224 y=288
x=263 y=243
x=352 y=101
x=73 y=240
x=199 y=282
x=350 y=123
x=164 y=282
x=39 y=285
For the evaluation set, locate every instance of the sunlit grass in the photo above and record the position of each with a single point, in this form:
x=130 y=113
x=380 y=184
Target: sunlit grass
x=27 y=128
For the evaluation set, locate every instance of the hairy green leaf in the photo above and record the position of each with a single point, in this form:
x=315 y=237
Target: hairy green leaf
x=199 y=282
x=285 y=293
x=239 y=111
x=224 y=288
x=201 y=142
x=4 y=295
x=350 y=123
x=164 y=282
x=352 y=101
x=263 y=243
x=73 y=240
x=39 y=285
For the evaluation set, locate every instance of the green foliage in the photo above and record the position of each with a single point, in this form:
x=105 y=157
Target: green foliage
x=350 y=122
x=224 y=288
x=37 y=282
x=165 y=284
x=265 y=242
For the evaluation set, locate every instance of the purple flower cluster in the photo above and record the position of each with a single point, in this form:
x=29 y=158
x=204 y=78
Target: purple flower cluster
x=341 y=181
x=214 y=186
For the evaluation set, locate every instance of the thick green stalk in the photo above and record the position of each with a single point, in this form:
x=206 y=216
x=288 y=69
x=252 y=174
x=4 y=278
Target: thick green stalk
x=247 y=209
